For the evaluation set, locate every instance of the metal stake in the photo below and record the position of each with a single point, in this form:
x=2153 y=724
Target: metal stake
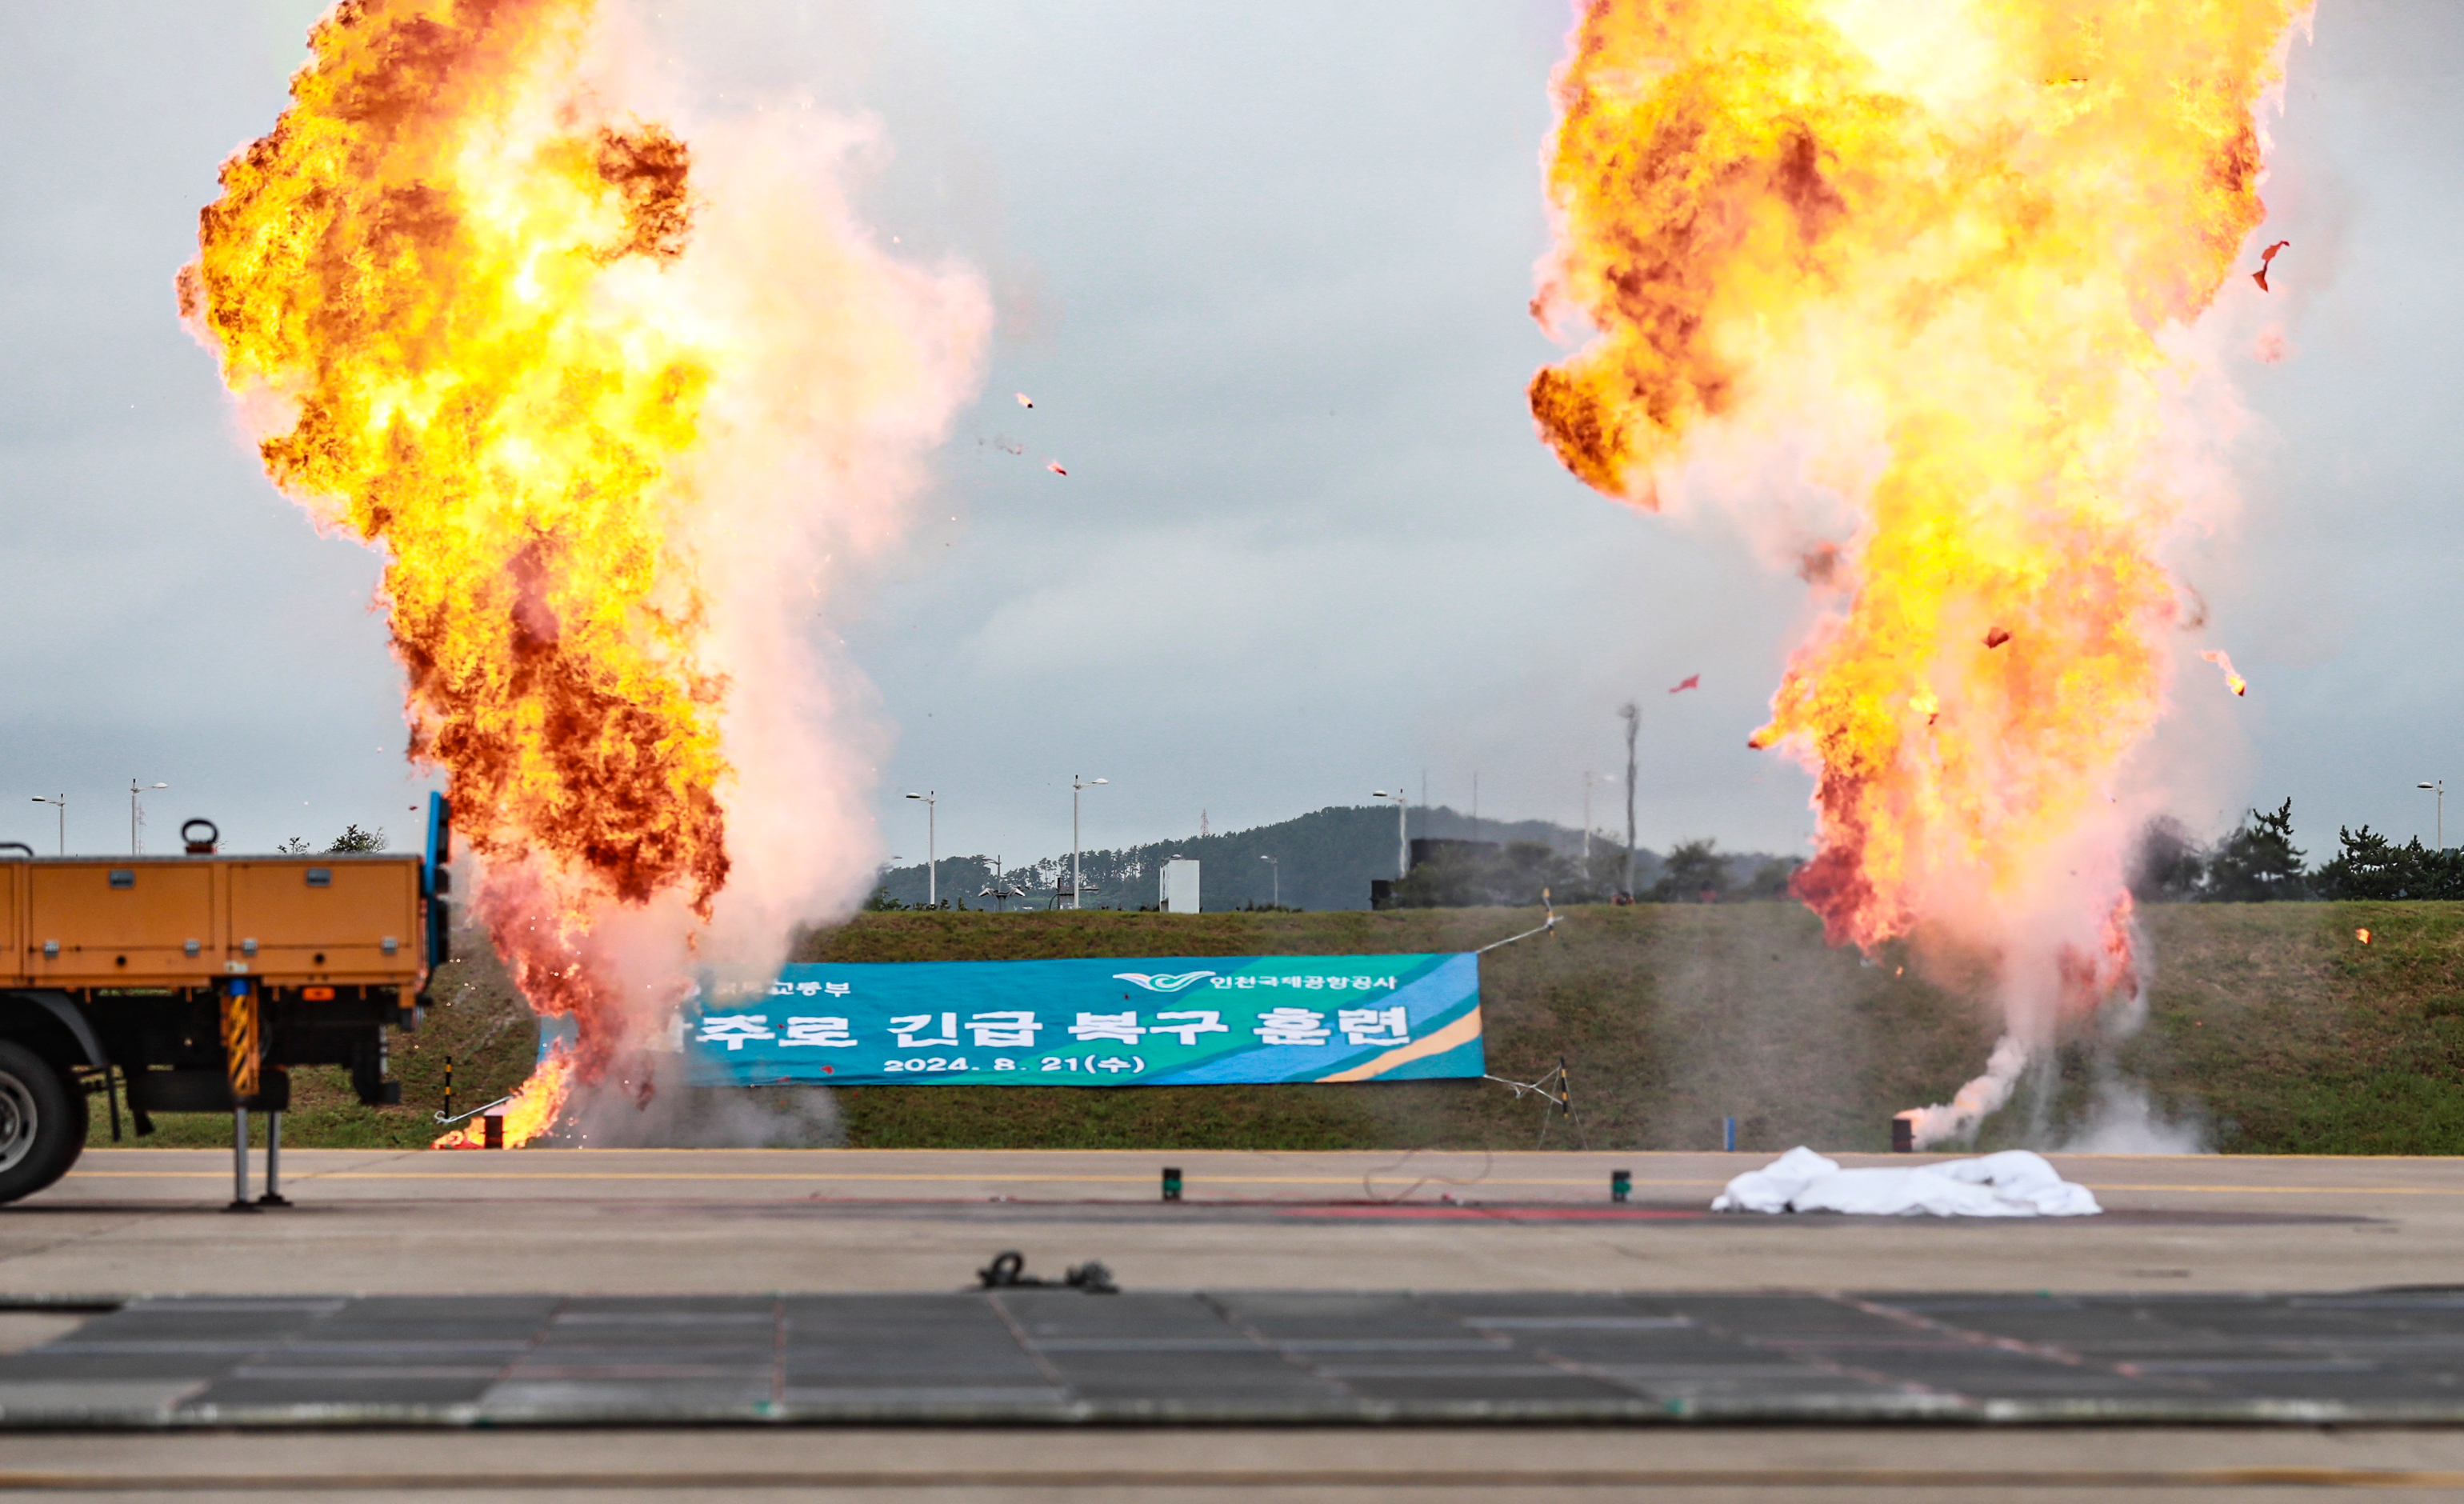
x=239 y=1161
x=272 y=1196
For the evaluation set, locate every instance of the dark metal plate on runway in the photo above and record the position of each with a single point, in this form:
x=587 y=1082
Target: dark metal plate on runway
x=1319 y=1357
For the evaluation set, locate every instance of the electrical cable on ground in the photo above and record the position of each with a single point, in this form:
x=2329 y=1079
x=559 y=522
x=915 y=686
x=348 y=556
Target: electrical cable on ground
x=1367 y=1191
x=475 y=1111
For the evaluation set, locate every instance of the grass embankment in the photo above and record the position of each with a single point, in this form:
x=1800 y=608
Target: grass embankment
x=2270 y=1023
x=2290 y=1036
x=1670 y=1016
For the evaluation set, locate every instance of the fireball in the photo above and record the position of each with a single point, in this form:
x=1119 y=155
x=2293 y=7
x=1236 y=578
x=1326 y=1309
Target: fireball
x=473 y=311
x=1937 y=254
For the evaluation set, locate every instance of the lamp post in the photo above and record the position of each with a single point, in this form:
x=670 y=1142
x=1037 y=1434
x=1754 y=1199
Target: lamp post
x=1633 y=714
x=1402 y=841
x=2440 y=789
x=1276 y=866
x=1077 y=783
x=932 y=847
x=1588 y=779
x=136 y=848
x=63 y=802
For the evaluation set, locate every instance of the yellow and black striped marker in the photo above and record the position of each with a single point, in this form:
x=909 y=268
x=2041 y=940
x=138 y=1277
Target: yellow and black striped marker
x=240 y=1037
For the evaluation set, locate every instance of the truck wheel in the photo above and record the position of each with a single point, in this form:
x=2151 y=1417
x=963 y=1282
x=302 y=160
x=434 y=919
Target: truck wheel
x=42 y=1121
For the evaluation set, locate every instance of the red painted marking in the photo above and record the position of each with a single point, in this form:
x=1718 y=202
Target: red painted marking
x=1500 y=1213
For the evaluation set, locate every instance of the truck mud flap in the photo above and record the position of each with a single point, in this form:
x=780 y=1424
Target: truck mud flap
x=204 y=1091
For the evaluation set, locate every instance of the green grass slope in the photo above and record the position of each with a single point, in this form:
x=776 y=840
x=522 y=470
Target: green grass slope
x=2290 y=1036
x=2271 y=1027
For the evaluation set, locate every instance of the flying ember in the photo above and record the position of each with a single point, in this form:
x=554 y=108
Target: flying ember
x=1907 y=282
x=2223 y=660
x=533 y=349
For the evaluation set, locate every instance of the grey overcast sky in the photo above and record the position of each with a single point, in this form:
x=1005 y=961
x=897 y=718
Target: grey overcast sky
x=1264 y=267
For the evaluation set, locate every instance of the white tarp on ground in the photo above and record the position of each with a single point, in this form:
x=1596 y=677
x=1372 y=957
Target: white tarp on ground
x=2014 y=1184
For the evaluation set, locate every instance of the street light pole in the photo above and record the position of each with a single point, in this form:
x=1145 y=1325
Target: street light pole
x=135 y=847
x=1633 y=714
x=2440 y=787
x=932 y=847
x=1076 y=782
x=63 y=802
x=1402 y=835
x=1277 y=867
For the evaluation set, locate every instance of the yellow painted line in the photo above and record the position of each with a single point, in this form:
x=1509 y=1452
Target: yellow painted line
x=707 y=1482
x=481 y=1174
x=2297 y=1190
x=478 y=1175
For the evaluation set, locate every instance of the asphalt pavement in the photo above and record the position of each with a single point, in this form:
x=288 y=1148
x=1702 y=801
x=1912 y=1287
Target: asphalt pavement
x=636 y=1324
x=589 y=1221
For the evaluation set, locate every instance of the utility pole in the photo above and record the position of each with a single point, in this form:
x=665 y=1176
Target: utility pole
x=1588 y=776
x=1633 y=714
x=1077 y=783
x=932 y=847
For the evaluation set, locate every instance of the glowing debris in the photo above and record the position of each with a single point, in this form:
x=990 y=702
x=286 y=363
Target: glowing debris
x=2264 y=257
x=2223 y=660
x=1690 y=681
x=1054 y=466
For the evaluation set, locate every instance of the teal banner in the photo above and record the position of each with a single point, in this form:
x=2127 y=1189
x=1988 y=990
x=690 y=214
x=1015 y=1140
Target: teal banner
x=1167 y=1021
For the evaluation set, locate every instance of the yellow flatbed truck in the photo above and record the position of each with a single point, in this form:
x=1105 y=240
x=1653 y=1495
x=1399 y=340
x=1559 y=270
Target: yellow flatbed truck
x=194 y=982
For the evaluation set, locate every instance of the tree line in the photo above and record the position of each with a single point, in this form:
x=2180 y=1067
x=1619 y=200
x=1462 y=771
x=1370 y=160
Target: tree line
x=2256 y=862
x=1518 y=873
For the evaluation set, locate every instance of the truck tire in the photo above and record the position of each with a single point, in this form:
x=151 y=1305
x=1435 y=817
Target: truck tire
x=42 y=1121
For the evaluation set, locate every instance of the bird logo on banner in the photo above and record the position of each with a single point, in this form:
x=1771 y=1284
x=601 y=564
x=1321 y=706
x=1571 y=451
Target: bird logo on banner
x=1162 y=982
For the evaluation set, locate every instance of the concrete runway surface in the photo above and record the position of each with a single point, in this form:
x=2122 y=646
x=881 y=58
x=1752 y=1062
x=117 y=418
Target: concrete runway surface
x=1530 y=1465
x=665 y=1222
x=683 y=1221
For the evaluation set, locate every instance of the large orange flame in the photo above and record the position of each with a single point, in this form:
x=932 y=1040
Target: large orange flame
x=1933 y=251
x=466 y=300
x=531 y=1112
x=446 y=274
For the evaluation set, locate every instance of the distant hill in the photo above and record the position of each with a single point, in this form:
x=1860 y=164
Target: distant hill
x=1327 y=858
